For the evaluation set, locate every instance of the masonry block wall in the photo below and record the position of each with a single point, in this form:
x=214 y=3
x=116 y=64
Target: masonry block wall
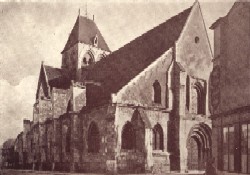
x=232 y=54
x=101 y=160
x=229 y=97
x=140 y=90
x=49 y=145
x=144 y=156
x=65 y=142
x=57 y=144
x=60 y=100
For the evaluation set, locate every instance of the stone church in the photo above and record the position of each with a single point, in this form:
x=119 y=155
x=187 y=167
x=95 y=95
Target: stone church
x=142 y=108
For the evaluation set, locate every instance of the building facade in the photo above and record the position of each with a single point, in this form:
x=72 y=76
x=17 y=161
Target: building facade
x=230 y=91
x=142 y=108
x=7 y=154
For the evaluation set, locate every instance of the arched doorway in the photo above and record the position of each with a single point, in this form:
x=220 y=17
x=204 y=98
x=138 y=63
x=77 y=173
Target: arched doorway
x=199 y=147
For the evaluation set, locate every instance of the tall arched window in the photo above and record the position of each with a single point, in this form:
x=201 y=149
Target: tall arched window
x=128 y=136
x=157 y=92
x=93 y=138
x=198 y=99
x=68 y=138
x=158 y=137
x=187 y=92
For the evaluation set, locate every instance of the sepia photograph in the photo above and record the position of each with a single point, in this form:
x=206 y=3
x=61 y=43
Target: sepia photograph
x=125 y=87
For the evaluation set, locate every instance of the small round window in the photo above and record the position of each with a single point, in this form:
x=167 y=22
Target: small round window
x=196 y=39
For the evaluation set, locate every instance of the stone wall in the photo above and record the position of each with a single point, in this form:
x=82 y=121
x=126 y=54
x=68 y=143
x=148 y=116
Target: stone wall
x=60 y=99
x=57 y=143
x=193 y=49
x=130 y=161
x=143 y=158
x=161 y=162
x=104 y=118
x=49 y=145
x=233 y=56
x=140 y=91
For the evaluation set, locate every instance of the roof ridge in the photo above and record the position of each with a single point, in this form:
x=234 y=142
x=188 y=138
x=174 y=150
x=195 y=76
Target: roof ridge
x=122 y=65
x=150 y=30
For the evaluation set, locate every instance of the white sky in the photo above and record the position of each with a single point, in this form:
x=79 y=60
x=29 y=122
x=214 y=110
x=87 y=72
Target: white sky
x=32 y=32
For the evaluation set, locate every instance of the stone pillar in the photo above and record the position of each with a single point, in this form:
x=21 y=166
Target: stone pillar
x=75 y=141
x=42 y=145
x=183 y=148
x=57 y=143
x=148 y=149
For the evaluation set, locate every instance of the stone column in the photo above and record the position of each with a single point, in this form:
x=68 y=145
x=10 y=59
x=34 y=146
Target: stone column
x=183 y=148
x=148 y=149
x=42 y=145
x=57 y=143
x=75 y=141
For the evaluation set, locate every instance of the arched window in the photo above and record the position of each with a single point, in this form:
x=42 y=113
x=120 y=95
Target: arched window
x=68 y=138
x=157 y=92
x=187 y=92
x=95 y=40
x=88 y=59
x=84 y=60
x=128 y=136
x=93 y=138
x=198 y=99
x=158 y=138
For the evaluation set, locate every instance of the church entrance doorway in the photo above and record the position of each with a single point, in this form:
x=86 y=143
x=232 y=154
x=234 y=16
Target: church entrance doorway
x=198 y=147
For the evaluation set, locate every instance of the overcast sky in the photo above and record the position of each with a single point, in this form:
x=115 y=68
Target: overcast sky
x=32 y=32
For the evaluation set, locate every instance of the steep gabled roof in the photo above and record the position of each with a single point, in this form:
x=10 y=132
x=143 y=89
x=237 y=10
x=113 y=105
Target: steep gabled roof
x=52 y=77
x=84 y=31
x=57 y=77
x=118 y=68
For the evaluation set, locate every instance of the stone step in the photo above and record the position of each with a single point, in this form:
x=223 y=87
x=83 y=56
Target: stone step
x=193 y=172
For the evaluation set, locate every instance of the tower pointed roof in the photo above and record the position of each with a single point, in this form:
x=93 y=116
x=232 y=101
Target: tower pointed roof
x=84 y=31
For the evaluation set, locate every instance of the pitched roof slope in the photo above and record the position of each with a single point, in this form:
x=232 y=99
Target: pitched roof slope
x=57 y=77
x=84 y=31
x=118 y=68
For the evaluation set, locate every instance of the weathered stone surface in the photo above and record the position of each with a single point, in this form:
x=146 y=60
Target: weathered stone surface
x=81 y=128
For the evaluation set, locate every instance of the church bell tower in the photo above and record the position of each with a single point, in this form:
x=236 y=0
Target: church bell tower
x=85 y=46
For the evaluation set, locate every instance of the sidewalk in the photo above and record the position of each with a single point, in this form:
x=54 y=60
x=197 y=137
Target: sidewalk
x=31 y=172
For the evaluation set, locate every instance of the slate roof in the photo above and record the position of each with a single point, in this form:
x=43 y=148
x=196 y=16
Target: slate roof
x=57 y=77
x=118 y=68
x=84 y=31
